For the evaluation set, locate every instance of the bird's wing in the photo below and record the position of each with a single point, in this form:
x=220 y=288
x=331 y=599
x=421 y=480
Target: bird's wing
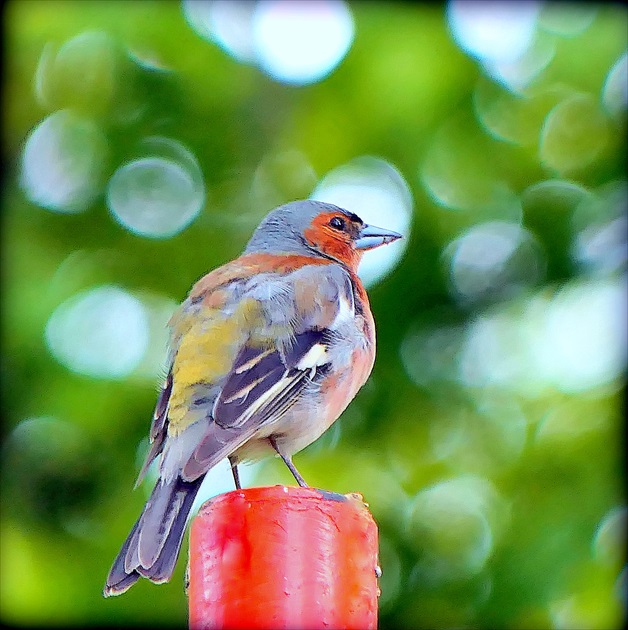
x=158 y=427
x=263 y=385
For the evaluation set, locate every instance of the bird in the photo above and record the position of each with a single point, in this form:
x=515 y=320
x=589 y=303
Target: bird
x=265 y=353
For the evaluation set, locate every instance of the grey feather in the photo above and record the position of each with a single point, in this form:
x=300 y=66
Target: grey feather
x=152 y=547
x=281 y=230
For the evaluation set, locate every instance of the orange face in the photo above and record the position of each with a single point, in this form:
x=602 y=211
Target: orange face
x=334 y=234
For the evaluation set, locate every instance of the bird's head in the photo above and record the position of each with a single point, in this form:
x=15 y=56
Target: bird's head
x=316 y=228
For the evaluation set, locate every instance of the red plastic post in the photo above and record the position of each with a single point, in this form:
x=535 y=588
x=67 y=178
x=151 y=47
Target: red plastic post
x=283 y=557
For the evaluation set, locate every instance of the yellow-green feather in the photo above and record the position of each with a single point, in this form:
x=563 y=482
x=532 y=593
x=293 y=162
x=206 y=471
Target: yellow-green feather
x=209 y=340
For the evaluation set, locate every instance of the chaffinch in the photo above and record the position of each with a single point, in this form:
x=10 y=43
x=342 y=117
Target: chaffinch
x=265 y=354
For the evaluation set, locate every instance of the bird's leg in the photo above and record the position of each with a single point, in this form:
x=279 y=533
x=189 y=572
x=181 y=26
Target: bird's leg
x=234 y=472
x=288 y=462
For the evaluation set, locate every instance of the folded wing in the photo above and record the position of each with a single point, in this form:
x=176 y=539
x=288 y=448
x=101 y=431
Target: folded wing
x=264 y=383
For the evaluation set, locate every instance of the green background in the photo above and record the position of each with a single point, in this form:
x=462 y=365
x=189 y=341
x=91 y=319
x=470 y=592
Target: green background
x=500 y=498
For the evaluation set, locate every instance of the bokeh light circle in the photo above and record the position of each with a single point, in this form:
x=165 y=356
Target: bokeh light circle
x=81 y=74
x=567 y=19
x=63 y=162
x=102 y=332
x=517 y=75
x=504 y=37
x=429 y=353
x=459 y=172
x=228 y=24
x=377 y=192
x=496 y=31
x=280 y=175
x=600 y=226
x=494 y=354
x=573 y=341
x=493 y=260
x=584 y=343
x=615 y=91
x=574 y=134
x=609 y=541
x=302 y=41
x=452 y=523
x=298 y=42
x=159 y=194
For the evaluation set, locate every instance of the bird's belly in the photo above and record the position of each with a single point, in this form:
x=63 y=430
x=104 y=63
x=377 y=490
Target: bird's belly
x=307 y=420
x=297 y=428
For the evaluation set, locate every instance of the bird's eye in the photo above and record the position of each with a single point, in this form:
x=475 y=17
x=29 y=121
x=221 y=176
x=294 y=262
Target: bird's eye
x=338 y=223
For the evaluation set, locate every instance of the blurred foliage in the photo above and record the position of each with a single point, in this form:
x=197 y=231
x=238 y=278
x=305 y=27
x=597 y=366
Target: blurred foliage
x=488 y=441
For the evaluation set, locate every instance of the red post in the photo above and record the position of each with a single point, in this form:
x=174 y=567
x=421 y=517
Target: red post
x=283 y=557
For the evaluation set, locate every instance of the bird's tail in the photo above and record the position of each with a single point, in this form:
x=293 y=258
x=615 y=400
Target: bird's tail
x=152 y=547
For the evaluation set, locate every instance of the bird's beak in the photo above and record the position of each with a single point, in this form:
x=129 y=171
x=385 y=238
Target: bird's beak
x=371 y=237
